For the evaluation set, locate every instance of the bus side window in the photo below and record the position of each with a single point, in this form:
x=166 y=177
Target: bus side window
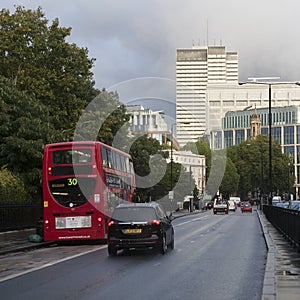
x=123 y=167
x=109 y=158
x=127 y=165
x=118 y=162
x=131 y=166
x=104 y=157
x=113 y=160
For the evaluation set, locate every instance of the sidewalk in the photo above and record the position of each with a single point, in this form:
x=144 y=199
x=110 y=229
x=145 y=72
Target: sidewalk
x=13 y=241
x=282 y=274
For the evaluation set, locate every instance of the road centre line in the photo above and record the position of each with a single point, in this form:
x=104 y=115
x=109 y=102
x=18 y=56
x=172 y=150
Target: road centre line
x=190 y=221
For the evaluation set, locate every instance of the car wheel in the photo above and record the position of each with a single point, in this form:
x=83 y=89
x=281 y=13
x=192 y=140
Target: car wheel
x=164 y=246
x=112 y=251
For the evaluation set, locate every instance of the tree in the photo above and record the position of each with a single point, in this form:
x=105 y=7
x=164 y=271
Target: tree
x=230 y=180
x=105 y=119
x=251 y=159
x=12 y=188
x=25 y=128
x=45 y=86
x=148 y=168
x=36 y=58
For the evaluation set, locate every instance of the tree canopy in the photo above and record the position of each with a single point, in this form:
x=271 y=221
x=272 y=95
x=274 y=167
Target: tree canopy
x=46 y=84
x=251 y=159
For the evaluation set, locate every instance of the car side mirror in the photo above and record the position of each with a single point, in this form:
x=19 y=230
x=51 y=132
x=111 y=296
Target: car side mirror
x=170 y=217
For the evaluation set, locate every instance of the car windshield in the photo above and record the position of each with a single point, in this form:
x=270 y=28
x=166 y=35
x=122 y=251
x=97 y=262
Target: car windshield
x=134 y=214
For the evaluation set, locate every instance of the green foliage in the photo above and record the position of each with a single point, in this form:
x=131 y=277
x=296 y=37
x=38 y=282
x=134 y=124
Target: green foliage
x=146 y=162
x=45 y=84
x=141 y=151
x=24 y=129
x=12 y=189
x=104 y=119
x=251 y=159
x=36 y=58
x=230 y=180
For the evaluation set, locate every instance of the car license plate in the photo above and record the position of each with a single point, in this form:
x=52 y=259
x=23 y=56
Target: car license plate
x=133 y=231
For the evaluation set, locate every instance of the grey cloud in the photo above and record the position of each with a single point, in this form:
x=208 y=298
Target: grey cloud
x=134 y=38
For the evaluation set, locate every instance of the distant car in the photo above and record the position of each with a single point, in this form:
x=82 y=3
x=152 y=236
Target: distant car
x=295 y=205
x=283 y=204
x=231 y=205
x=140 y=225
x=209 y=205
x=246 y=207
x=220 y=206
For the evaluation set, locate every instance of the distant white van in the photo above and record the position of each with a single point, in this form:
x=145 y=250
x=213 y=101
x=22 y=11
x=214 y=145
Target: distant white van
x=232 y=205
x=276 y=200
x=237 y=200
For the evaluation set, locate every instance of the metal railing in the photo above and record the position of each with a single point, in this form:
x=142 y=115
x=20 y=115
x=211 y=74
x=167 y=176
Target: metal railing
x=19 y=216
x=287 y=221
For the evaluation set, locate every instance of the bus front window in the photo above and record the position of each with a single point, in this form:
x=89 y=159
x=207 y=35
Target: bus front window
x=74 y=156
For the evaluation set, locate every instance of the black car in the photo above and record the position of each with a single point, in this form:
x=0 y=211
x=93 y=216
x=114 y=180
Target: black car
x=140 y=225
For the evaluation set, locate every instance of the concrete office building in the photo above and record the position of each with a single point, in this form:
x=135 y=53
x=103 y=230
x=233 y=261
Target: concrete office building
x=147 y=121
x=193 y=163
x=196 y=69
x=207 y=87
x=223 y=98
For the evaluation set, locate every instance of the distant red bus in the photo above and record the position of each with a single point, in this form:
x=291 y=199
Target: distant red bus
x=82 y=183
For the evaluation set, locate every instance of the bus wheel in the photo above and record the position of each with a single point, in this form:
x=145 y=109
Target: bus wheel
x=112 y=251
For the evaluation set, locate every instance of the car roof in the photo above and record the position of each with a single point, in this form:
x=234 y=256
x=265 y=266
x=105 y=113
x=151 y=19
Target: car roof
x=146 y=204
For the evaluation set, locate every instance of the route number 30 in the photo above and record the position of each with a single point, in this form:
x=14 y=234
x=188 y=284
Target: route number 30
x=72 y=181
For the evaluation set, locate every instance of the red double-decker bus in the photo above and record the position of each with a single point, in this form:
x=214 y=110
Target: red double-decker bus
x=82 y=183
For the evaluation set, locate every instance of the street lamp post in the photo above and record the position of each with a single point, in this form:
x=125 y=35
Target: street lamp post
x=270 y=142
x=172 y=157
x=254 y=81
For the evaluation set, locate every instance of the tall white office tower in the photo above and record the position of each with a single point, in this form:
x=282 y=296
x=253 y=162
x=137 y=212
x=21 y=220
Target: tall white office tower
x=196 y=68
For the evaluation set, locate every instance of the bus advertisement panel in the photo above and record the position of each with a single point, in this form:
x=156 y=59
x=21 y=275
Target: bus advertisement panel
x=82 y=183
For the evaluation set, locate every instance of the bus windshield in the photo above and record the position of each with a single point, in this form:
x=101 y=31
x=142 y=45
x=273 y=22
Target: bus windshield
x=74 y=156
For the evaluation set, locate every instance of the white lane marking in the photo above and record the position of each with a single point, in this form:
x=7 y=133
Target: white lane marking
x=50 y=264
x=190 y=221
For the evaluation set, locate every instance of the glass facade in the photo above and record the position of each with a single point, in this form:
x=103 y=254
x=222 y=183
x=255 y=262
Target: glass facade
x=276 y=134
x=298 y=154
x=285 y=130
x=228 y=138
x=265 y=131
x=290 y=151
x=298 y=134
x=239 y=136
x=288 y=135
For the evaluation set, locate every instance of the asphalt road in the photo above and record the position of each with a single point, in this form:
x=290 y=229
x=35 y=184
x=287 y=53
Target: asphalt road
x=215 y=257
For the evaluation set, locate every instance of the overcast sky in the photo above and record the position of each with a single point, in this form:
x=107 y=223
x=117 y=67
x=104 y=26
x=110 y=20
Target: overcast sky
x=138 y=38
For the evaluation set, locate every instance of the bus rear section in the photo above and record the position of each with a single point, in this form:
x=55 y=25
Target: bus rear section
x=71 y=193
x=82 y=183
